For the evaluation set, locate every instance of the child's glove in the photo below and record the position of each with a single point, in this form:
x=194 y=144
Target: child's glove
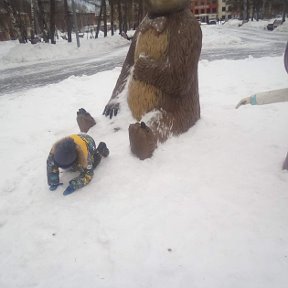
x=53 y=187
x=102 y=149
x=68 y=190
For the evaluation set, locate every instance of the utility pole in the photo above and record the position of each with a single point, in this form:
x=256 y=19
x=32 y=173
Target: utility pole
x=75 y=23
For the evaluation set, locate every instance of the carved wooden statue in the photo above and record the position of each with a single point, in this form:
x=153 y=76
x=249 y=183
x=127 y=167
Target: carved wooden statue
x=161 y=76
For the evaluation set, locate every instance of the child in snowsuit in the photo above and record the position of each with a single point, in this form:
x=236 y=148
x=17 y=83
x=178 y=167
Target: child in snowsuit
x=75 y=152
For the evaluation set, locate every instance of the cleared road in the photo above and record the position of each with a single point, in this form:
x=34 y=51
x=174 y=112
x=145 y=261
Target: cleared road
x=256 y=44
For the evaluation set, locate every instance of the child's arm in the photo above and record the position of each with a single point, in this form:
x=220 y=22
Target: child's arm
x=52 y=173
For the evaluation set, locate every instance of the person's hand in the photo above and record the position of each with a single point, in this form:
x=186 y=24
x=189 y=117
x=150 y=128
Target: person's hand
x=53 y=187
x=68 y=190
x=244 y=101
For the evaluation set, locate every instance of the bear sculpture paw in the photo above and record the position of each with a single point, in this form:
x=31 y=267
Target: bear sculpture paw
x=111 y=110
x=85 y=120
x=142 y=140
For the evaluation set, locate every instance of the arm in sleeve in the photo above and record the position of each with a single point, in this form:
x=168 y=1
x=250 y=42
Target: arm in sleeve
x=86 y=175
x=268 y=97
x=52 y=171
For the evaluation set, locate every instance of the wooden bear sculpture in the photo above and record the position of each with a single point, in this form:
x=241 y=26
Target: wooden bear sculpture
x=161 y=76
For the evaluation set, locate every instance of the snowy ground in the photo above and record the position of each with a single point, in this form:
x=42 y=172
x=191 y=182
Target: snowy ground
x=208 y=210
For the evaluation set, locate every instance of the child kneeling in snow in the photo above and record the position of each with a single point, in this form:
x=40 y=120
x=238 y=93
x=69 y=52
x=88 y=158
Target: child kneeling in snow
x=75 y=152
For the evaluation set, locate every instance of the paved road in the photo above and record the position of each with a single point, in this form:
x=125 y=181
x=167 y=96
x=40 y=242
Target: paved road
x=255 y=43
x=30 y=76
x=265 y=43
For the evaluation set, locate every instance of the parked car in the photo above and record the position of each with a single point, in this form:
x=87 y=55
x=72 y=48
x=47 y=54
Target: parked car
x=212 y=22
x=275 y=24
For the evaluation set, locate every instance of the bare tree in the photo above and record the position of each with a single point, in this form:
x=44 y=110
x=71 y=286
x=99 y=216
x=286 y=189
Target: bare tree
x=75 y=23
x=42 y=22
x=140 y=11
x=125 y=16
x=52 y=21
x=99 y=20
x=68 y=21
x=32 y=22
x=105 y=17
x=112 y=16
x=245 y=11
x=257 y=7
x=120 y=17
x=285 y=10
x=16 y=21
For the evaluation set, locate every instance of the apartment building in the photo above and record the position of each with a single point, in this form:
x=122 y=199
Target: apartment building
x=207 y=10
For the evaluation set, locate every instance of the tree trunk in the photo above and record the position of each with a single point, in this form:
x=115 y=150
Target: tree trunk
x=245 y=10
x=75 y=23
x=140 y=11
x=270 y=9
x=42 y=22
x=285 y=4
x=99 y=20
x=130 y=14
x=112 y=16
x=267 y=10
x=120 y=18
x=17 y=24
x=105 y=17
x=257 y=9
x=240 y=8
x=125 y=20
x=253 y=10
x=52 y=21
x=68 y=23
x=32 y=22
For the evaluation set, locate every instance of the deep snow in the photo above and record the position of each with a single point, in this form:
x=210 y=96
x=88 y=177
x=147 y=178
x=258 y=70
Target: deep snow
x=209 y=209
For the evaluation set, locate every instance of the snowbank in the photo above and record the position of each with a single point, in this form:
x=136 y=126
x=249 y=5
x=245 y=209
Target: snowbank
x=13 y=52
x=283 y=27
x=215 y=36
x=260 y=24
x=233 y=23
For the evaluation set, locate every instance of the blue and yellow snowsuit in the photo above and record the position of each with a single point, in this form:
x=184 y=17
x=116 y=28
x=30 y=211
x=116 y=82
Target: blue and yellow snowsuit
x=87 y=159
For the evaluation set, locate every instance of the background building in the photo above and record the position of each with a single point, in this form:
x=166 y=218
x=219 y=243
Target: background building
x=207 y=10
x=224 y=12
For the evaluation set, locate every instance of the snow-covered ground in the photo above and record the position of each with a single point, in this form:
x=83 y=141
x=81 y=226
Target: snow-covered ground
x=209 y=209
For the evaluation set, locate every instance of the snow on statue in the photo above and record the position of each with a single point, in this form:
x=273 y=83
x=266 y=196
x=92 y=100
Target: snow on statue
x=161 y=74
